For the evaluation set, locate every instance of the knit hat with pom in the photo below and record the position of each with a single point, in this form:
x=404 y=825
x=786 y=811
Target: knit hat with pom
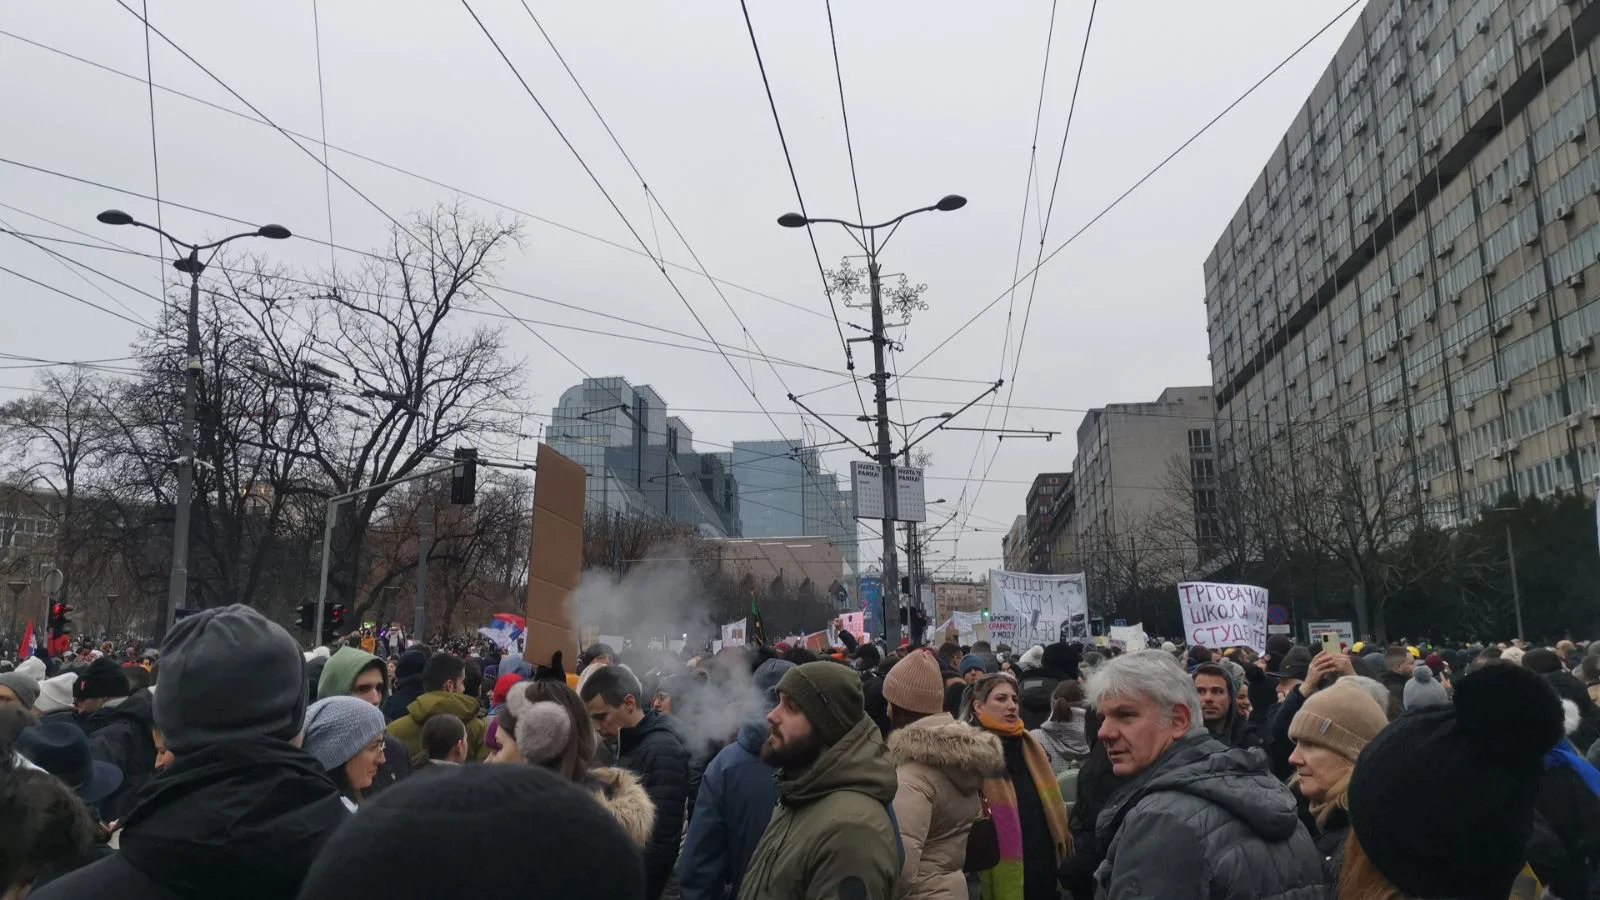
x=1476 y=766
x=1422 y=690
x=543 y=727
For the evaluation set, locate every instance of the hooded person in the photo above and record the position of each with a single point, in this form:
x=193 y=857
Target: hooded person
x=407 y=684
x=1329 y=732
x=735 y=801
x=357 y=673
x=33 y=667
x=242 y=810
x=1219 y=707
x=434 y=827
x=1494 y=738
x=346 y=736
x=940 y=765
x=1058 y=663
x=832 y=833
x=1423 y=690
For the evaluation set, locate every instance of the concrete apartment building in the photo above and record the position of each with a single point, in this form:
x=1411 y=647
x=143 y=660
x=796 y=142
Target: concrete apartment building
x=1046 y=492
x=959 y=596
x=1416 y=263
x=1014 y=546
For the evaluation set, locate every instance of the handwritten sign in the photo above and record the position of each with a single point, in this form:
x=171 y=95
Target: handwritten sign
x=855 y=623
x=1224 y=615
x=733 y=634
x=1052 y=607
x=1006 y=628
x=1129 y=637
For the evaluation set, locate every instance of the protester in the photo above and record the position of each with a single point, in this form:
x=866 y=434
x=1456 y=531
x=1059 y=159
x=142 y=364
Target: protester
x=241 y=805
x=63 y=751
x=648 y=747
x=1025 y=800
x=940 y=765
x=1062 y=735
x=1329 y=733
x=443 y=684
x=361 y=675
x=544 y=724
x=1477 y=766
x=831 y=834
x=971 y=668
x=1219 y=711
x=118 y=721
x=1058 y=663
x=1422 y=691
x=345 y=734
x=444 y=743
x=1196 y=819
x=55 y=698
x=407 y=684
x=436 y=837
x=734 y=803
x=18 y=690
x=43 y=827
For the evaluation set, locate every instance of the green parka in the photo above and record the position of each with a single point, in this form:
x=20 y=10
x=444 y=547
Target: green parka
x=832 y=822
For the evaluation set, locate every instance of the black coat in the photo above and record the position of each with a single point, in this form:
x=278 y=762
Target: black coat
x=1330 y=838
x=1033 y=695
x=1565 y=846
x=406 y=690
x=240 y=820
x=120 y=735
x=655 y=753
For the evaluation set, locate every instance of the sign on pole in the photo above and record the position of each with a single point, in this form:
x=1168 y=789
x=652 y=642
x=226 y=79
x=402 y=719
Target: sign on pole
x=1224 y=615
x=1049 y=608
x=733 y=634
x=867 y=498
x=910 y=503
x=866 y=490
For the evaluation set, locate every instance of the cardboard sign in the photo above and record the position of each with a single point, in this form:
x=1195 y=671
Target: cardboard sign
x=855 y=623
x=733 y=634
x=555 y=557
x=1224 y=615
x=1053 y=607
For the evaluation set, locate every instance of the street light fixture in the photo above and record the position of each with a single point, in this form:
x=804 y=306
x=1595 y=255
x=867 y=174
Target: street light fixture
x=188 y=263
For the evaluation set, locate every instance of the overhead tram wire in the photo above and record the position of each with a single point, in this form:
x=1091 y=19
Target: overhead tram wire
x=322 y=119
x=1142 y=180
x=799 y=196
x=63 y=262
x=155 y=155
x=601 y=187
x=1044 y=228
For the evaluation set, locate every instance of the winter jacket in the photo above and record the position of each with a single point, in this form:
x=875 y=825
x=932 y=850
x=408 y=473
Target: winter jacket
x=120 y=735
x=406 y=692
x=408 y=728
x=832 y=823
x=1263 y=693
x=940 y=765
x=1330 y=839
x=1097 y=784
x=653 y=751
x=1238 y=732
x=1205 y=821
x=734 y=804
x=238 y=820
x=338 y=678
x=1278 y=743
x=1565 y=847
x=1033 y=695
x=620 y=792
x=1396 y=683
x=1064 y=742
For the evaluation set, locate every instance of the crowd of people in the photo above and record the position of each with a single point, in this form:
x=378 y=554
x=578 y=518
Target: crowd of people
x=231 y=764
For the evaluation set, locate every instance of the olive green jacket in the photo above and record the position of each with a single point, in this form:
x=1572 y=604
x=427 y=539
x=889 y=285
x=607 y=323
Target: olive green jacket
x=832 y=822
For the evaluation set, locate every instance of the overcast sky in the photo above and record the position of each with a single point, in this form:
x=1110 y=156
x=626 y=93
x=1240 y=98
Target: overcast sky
x=941 y=99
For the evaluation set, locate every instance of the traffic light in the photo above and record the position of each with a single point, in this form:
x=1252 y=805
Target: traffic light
x=464 y=478
x=60 y=621
x=905 y=585
x=308 y=616
x=333 y=619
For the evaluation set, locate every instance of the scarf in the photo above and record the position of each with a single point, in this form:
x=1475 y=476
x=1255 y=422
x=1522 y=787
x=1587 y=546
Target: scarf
x=1005 y=881
x=1563 y=756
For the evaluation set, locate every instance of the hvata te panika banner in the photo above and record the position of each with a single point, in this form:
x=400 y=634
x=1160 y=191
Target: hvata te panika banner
x=1224 y=615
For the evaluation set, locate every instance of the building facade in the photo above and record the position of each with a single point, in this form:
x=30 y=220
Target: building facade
x=958 y=596
x=1412 y=276
x=1046 y=489
x=1014 y=546
x=785 y=491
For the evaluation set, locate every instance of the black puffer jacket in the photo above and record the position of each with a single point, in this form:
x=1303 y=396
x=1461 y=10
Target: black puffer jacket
x=1205 y=821
x=1033 y=695
x=241 y=820
x=120 y=735
x=654 y=752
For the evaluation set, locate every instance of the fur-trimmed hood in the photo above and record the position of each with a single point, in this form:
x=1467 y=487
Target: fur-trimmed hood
x=620 y=792
x=965 y=754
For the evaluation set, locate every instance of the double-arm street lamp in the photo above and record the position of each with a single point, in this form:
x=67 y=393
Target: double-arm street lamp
x=189 y=264
x=866 y=237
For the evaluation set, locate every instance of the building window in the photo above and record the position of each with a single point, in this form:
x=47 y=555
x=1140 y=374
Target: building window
x=1202 y=469
x=1199 y=439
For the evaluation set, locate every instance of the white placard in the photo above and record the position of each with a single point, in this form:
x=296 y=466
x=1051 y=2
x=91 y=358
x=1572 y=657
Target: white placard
x=1131 y=637
x=855 y=623
x=733 y=634
x=1007 y=628
x=1345 y=630
x=1224 y=615
x=866 y=489
x=1052 y=607
x=910 y=503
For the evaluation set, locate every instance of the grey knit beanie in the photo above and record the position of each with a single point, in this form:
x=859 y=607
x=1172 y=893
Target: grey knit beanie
x=26 y=689
x=337 y=728
x=543 y=728
x=1422 y=690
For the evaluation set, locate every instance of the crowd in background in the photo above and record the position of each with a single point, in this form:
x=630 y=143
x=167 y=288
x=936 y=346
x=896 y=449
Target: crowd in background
x=231 y=764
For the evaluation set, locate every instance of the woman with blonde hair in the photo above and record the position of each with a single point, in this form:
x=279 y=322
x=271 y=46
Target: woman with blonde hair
x=545 y=724
x=1024 y=802
x=1329 y=732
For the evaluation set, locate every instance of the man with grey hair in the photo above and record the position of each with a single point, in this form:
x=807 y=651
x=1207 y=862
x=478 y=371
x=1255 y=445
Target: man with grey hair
x=1195 y=819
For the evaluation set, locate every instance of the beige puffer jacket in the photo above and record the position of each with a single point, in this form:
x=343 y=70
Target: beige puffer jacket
x=940 y=764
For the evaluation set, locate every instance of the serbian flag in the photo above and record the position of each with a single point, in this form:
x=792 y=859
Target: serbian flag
x=27 y=642
x=504 y=630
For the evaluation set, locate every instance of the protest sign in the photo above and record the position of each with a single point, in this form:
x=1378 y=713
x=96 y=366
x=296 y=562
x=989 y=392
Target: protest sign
x=855 y=623
x=1006 y=628
x=733 y=634
x=1129 y=637
x=1224 y=615
x=1052 y=607
x=1345 y=631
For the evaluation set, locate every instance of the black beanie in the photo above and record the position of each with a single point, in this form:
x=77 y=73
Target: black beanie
x=1063 y=658
x=103 y=678
x=438 y=821
x=1542 y=660
x=829 y=695
x=1476 y=767
x=410 y=663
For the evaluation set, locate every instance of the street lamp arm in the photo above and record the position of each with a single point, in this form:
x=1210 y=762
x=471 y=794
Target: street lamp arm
x=231 y=237
x=947 y=419
x=175 y=242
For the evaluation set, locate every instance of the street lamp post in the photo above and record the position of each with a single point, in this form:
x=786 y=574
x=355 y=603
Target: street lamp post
x=1511 y=558
x=866 y=236
x=190 y=264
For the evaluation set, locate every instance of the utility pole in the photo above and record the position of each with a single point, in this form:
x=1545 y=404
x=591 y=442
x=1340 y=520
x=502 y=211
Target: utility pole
x=880 y=381
x=419 y=609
